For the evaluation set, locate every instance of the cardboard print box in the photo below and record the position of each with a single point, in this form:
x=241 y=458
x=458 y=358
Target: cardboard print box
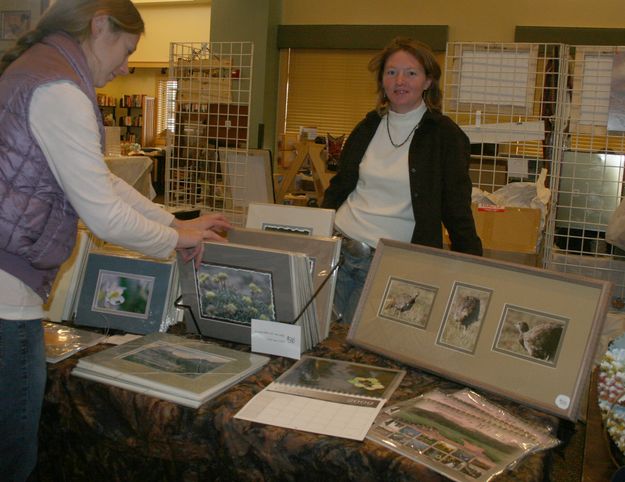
x=508 y=233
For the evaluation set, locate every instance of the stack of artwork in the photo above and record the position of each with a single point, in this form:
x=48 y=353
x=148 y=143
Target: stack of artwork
x=182 y=370
x=323 y=254
x=518 y=331
x=235 y=283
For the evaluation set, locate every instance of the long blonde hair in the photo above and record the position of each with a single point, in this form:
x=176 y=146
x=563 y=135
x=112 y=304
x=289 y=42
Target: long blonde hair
x=433 y=96
x=74 y=18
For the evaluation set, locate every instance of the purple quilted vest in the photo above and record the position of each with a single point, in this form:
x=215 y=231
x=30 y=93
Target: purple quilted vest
x=37 y=223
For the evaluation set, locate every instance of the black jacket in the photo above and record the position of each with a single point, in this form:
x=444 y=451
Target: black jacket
x=440 y=186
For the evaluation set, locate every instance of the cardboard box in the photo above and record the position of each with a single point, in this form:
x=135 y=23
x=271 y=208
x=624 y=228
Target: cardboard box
x=507 y=233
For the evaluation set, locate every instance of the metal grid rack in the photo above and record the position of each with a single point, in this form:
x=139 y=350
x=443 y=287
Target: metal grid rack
x=210 y=116
x=527 y=107
x=590 y=178
x=505 y=98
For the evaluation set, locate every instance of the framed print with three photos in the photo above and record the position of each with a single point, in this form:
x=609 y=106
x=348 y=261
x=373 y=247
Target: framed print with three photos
x=126 y=291
x=521 y=332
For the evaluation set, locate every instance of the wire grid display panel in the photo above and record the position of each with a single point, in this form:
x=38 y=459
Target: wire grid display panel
x=210 y=114
x=504 y=96
x=590 y=177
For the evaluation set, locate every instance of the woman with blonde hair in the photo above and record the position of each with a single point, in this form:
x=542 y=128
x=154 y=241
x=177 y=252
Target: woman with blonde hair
x=403 y=172
x=52 y=172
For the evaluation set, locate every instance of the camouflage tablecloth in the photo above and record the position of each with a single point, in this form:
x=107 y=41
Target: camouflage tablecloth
x=91 y=431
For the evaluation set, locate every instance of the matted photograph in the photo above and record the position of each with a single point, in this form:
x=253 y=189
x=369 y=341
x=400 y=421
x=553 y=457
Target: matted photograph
x=323 y=253
x=281 y=228
x=292 y=219
x=235 y=294
x=14 y=24
x=407 y=302
x=464 y=315
x=123 y=293
x=181 y=360
x=539 y=353
x=223 y=307
x=530 y=334
x=123 y=290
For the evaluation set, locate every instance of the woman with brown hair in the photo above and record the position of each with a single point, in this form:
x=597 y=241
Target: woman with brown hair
x=404 y=171
x=52 y=172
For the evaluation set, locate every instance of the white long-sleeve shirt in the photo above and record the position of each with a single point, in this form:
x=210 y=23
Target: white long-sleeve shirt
x=63 y=122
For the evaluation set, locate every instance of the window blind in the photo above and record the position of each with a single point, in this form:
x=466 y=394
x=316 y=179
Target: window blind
x=331 y=90
x=165 y=106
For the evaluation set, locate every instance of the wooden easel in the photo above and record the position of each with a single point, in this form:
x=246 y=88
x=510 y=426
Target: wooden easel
x=321 y=177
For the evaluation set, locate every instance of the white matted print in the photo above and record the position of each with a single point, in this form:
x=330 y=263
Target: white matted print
x=125 y=293
x=530 y=334
x=290 y=219
x=407 y=302
x=464 y=315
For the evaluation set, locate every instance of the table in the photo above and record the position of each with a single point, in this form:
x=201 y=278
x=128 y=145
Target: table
x=93 y=431
x=135 y=170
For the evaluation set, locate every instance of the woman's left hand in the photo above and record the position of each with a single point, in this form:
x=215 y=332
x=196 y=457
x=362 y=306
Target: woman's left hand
x=212 y=225
x=216 y=222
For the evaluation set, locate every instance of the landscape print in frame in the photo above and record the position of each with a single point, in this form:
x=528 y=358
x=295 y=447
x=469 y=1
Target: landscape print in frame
x=407 y=302
x=464 y=316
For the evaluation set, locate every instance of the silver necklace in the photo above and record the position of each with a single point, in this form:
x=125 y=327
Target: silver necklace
x=388 y=130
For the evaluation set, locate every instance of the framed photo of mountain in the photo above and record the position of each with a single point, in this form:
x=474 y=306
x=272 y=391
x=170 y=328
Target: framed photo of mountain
x=521 y=332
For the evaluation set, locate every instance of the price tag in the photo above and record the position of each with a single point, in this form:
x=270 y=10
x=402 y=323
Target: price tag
x=274 y=338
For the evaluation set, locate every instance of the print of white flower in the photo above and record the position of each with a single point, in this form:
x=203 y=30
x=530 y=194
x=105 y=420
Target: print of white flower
x=113 y=295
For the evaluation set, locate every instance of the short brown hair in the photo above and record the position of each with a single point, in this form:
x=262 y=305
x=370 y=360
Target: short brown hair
x=433 y=96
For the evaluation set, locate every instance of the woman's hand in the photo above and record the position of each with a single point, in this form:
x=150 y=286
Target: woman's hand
x=216 y=222
x=193 y=232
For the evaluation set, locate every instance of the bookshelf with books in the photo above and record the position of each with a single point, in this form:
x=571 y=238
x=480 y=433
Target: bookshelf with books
x=108 y=109
x=136 y=118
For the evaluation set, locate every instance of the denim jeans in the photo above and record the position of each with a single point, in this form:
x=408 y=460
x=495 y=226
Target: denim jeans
x=22 y=382
x=349 y=283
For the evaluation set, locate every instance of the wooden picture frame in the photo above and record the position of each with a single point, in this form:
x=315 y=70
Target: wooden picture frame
x=519 y=309
x=128 y=292
x=291 y=219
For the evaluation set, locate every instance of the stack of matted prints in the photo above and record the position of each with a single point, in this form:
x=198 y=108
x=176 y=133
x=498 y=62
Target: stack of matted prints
x=461 y=435
x=235 y=284
x=182 y=370
x=323 y=253
x=525 y=333
x=124 y=290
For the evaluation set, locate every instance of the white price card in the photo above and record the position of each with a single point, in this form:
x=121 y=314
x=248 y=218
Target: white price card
x=275 y=338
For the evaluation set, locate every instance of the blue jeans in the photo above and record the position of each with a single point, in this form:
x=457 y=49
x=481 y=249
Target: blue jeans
x=22 y=382
x=349 y=283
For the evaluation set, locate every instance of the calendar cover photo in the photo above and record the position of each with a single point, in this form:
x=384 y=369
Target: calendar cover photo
x=321 y=395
